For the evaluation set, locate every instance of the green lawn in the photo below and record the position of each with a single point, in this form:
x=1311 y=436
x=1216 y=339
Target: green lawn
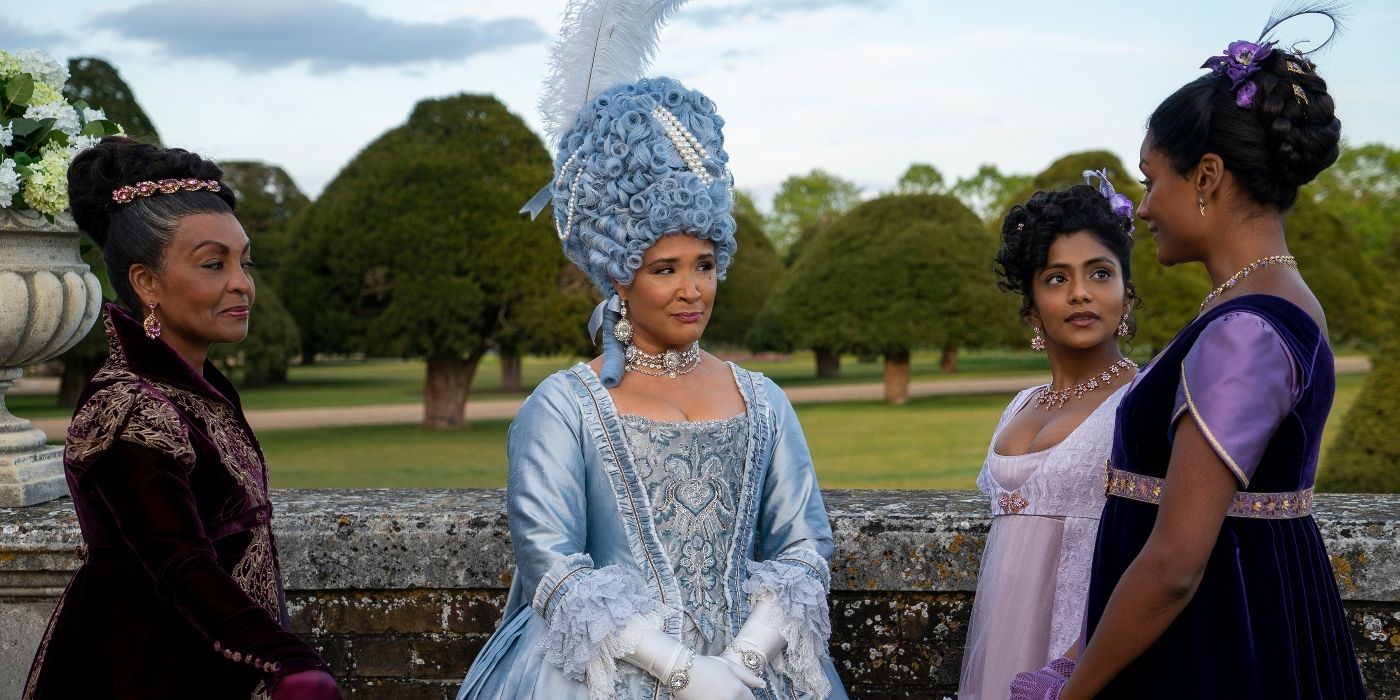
x=935 y=442
x=380 y=381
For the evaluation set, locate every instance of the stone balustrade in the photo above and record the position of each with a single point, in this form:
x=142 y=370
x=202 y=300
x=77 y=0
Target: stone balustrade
x=400 y=589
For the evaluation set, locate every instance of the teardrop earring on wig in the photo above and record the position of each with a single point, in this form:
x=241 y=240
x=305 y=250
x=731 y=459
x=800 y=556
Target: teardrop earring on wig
x=1038 y=342
x=1123 y=329
x=623 y=329
x=1201 y=202
x=151 y=323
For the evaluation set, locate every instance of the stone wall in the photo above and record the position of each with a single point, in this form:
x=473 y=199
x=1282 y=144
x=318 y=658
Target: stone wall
x=399 y=589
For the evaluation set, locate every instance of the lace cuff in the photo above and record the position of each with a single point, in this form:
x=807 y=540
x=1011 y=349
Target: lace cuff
x=595 y=617
x=796 y=583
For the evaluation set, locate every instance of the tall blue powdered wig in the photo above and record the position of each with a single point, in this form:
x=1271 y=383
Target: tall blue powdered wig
x=637 y=159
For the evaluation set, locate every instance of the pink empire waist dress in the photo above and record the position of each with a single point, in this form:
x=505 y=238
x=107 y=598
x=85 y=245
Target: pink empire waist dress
x=1034 y=580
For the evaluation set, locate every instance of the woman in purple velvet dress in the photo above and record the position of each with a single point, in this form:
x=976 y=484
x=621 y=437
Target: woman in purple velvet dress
x=1210 y=577
x=180 y=593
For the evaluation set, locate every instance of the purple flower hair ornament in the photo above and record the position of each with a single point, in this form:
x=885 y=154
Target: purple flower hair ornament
x=1120 y=204
x=1241 y=60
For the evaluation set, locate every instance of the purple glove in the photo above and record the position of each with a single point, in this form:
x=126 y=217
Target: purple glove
x=307 y=685
x=1044 y=684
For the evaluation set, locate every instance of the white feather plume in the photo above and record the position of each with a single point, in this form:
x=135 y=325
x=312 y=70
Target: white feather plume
x=602 y=44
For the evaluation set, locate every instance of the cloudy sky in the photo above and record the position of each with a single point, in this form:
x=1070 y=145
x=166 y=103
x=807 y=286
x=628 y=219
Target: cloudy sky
x=861 y=88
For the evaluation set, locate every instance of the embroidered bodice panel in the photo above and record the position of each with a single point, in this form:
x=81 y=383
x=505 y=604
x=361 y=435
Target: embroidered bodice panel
x=1069 y=480
x=692 y=472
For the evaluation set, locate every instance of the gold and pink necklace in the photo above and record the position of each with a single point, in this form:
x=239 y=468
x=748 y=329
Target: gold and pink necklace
x=1052 y=399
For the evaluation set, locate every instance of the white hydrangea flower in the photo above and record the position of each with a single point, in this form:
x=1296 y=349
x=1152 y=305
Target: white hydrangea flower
x=9 y=65
x=66 y=118
x=43 y=67
x=78 y=144
x=9 y=183
x=91 y=115
x=46 y=187
x=7 y=135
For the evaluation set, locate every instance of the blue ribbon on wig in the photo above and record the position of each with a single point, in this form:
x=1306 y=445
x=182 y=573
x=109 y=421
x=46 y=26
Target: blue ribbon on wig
x=538 y=202
x=604 y=318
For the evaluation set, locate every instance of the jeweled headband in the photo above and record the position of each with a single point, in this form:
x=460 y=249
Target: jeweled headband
x=128 y=193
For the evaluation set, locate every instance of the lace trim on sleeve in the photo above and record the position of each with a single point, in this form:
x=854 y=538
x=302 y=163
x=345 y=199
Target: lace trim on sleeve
x=595 y=617
x=800 y=615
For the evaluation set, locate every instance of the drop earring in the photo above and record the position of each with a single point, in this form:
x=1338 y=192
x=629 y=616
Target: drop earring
x=1038 y=342
x=1201 y=202
x=623 y=329
x=151 y=324
x=1123 y=329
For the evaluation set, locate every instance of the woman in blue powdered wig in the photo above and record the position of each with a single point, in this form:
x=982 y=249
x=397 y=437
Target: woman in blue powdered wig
x=669 y=535
x=1210 y=577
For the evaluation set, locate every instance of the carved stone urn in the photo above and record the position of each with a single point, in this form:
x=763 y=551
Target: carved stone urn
x=48 y=301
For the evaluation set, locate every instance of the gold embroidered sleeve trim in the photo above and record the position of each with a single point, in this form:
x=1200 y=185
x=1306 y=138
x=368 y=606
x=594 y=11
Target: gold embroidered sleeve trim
x=126 y=411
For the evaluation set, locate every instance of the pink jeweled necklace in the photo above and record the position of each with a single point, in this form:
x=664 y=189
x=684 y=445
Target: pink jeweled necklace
x=1051 y=398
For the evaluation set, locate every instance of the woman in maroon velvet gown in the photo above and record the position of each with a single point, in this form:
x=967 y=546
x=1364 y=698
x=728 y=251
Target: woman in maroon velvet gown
x=180 y=593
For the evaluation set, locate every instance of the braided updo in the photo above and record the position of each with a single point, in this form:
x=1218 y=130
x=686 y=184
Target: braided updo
x=138 y=232
x=1273 y=147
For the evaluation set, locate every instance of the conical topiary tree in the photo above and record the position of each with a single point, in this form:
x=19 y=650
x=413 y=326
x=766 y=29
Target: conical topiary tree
x=1366 y=455
x=417 y=250
x=893 y=275
x=750 y=279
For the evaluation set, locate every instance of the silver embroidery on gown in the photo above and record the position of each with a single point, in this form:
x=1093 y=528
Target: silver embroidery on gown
x=692 y=471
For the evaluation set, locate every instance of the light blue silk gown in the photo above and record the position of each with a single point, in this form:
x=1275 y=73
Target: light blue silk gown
x=685 y=524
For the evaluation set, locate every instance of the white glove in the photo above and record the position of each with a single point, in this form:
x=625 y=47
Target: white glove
x=705 y=676
x=758 y=640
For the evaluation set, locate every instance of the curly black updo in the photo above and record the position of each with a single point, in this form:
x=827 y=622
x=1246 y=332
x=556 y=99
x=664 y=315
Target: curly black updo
x=1280 y=143
x=1029 y=229
x=138 y=232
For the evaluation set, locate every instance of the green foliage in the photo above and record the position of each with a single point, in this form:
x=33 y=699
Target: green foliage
x=1366 y=455
x=806 y=202
x=1169 y=296
x=98 y=83
x=1363 y=189
x=895 y=274
x=416 y=247
x=920 y=178
x=750 y=279
x=272 y=341
x=744 y=204
x=1332 y=258
x=553 y=321
x=268 y=201
x=988 y=191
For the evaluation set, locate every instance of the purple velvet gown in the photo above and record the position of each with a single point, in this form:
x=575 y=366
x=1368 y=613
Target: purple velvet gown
x=1256 y=375
x=179 y=594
